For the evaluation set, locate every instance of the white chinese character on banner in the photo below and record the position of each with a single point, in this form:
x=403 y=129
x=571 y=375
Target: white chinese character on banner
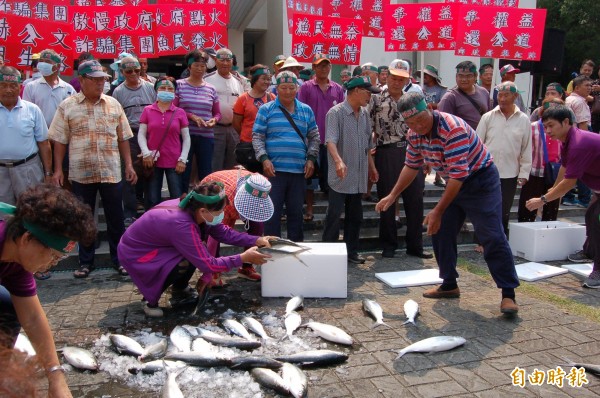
x=26 y=56
x=445 y=13
x=160 y=22
x=402 y=46
x=144 y=20
x=453 y=45
x=350 y=53
x=22 y=10
x=117 y=3
x=31 y=35
x=214 y=18
x=101 y=21
x=356 y=5
x=475 y=52
x=163 y=43
x=318 y=48
x=334 y=52
x=176 y=18
x=486 y=2
x=290 y=4
x=499 y=3
x=504 y=54
x=105 y=45
x=99 y=3
x=4 y=29
x=489 y=53
x=532 y=55
x=375 y=22
x=352 y=32
x=60 y=39
x=83 y=3
x=522 y=40
x=60 y=13
x=441 y=45
x=147 y=44
x=377 y=6
x=215 y=41
x=471 y=17
x=319 y=28
x=41 y=11
x=399 y=14
x=320 y=11
x=391 y=47
x=198 y=40
x=526 y=21
x=518 y=55
x=197 y=18
x=424 y=14
x=312 y=10
x=125 y=44
x=461 y=51
x=498 y=40
x=398 y=34
x=4 y=8
x=335 y=4
x=472 y=38
x=122 y=22
x=178 y=41
x=303 y=28
x=446 y=32
x=299 y=50
x=511 y=3
x=415 y=46
x=430 y=45
x=423 y=33
x=83 y=45
x=336 y=31
x=500 y=20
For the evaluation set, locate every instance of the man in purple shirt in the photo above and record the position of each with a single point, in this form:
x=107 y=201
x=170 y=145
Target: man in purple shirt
x=580 y=157
x=321 y=94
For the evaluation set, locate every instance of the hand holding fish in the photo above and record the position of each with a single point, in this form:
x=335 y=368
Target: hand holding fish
x=255 y=257
x=265 y=241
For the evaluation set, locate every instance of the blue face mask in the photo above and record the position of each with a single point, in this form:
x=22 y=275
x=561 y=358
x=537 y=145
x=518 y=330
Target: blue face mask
x=165 y=96
x=216 y=219
x=45 y=68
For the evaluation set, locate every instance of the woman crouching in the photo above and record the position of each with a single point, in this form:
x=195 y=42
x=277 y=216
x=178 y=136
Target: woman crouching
x=167 y=244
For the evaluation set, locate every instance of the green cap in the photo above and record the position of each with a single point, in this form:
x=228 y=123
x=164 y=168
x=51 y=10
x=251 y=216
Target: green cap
x=361 y=82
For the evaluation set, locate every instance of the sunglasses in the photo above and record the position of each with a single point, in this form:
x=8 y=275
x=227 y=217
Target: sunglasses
x=130 y=71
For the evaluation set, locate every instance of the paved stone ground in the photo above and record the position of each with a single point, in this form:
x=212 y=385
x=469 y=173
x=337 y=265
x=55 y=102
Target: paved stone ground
x=540 y=337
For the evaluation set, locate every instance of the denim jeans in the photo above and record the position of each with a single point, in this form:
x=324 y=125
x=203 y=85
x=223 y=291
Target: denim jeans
x=203 y=149
x=583 y=192
x=155 y=184
x=111 y=195
x=288 y=189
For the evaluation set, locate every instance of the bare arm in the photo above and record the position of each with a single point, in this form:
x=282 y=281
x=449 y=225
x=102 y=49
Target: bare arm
x=130 y=175
x=433 y=220
x=59 y=155
x=407 y=175
x=560 y=188
x=46 y=155
x=237 y=122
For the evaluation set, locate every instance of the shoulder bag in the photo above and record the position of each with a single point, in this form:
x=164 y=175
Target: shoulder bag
x=315 y=173
x=148 y=171
x=472 y=101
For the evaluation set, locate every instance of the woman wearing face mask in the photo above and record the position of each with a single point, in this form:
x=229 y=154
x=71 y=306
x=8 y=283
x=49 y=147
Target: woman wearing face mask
x=164 y=139
x=42 y=229
x=167 y=244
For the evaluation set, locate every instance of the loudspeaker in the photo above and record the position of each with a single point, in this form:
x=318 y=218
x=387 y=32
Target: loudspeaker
x=553 y=51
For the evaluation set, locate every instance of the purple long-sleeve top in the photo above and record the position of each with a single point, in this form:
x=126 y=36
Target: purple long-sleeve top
x=164 y=236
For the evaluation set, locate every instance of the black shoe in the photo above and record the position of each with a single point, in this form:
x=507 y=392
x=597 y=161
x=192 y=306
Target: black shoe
x=388 y=253
x=356 y=259
x=424 y=255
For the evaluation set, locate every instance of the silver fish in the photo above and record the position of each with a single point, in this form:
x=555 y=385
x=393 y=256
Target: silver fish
x=433 y=344
x=80 y=358
x=154 y=366
x=181 y=338
x=251 y=362
x=315 y=358
x=294 y=303
x=199 y=359
x=282 y=251
x=155 y=351
x=373 y=308
x=126 y=345
x=330 y=332
x=411 y=309
x=236 y=328
x=201 y=345
x=292 y=322
x=255 y=326
x=295 y=379
x=269 y=379
x=227 y=341
x=171 y=389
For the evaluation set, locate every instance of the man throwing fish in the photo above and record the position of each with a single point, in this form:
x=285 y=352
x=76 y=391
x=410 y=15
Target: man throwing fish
x=451 y=147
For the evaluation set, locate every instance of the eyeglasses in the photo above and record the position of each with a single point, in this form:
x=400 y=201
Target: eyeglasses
x=130 y=71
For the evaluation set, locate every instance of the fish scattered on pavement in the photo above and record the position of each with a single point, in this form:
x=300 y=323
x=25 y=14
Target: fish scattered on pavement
x=373 y=308
x=411 y=309
x=155 y=351
x=226 y=341
x=234 y=327
x=126 y=345
x=251 y=362
x=171 y=388
x=295 y=379
x=433 y=344
x=292 y=322
x=181 y=338
x=269 y=379
x=314 y=358
x=199 y=359
x=155 y=366
x=80 y=358
x=201 y=345
x=255 y=326
x=330 y=332
x=294 y=303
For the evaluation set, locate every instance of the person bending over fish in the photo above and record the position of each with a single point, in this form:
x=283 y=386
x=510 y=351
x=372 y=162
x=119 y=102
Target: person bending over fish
x=167 y=244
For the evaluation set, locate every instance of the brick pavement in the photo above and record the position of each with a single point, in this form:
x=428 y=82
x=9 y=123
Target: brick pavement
x=82 y=310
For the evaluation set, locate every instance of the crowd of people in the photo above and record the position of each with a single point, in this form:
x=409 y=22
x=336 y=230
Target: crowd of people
x=66 y=143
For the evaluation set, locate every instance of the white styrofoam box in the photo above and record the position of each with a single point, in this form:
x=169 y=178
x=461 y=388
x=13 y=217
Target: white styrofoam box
x=419 y=277
x=532 y=272
x=322 y=272
x=546 y=240
x=579 y=269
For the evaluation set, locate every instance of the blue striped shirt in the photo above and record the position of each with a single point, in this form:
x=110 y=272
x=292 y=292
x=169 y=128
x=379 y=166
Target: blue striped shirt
x=201 y=101
x=274 y=136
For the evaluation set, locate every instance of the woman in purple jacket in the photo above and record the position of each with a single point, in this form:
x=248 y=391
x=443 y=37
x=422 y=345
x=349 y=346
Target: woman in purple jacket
x=167 y=244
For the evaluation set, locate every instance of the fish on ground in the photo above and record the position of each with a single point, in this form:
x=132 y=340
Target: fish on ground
x=294 y=303
x=433 y=344
x=199 y=359
x=234 y=327
x=126 y=345
x=251 y=362
x=330 y=332
x=80 y=358
x=270 y=379
x=171 y=388
x=314 y=358
x=155 y=351
x=292 y=322
x=373 y=308
x=411 y=309
x=181 y=338
x=255 y=327
x=226 y=341
x=295 y=379
x=155 y=366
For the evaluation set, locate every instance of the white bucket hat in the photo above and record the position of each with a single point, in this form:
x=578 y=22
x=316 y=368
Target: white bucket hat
x=252 y=199
x=291 y=62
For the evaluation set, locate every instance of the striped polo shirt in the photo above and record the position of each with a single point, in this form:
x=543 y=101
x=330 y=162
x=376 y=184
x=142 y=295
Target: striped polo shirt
x=454 y=149
x=274 y=136
x=201 y=101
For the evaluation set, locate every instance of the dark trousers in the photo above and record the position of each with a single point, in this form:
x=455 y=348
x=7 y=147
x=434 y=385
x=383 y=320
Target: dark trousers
x=111 y=195
x=132 y=194
x=508 y=187
x=536 y=187
x=479 y=199
x=584 y=194
x=591 y=247
x=202 y=148
x=9 y=323
x=351 y=206
x=179 y=277
x=389 y=162
x=288 y=189
x=323 y=167
x=155 y=183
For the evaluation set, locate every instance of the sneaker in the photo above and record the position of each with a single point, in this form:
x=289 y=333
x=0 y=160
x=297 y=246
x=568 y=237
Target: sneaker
x=569 y=202
x=249 y=273
x=593 y=280
x=579 y=203
x=153 y=312
x=579 y=257
x=356 y=259
x=217 y=282
x=128 y=221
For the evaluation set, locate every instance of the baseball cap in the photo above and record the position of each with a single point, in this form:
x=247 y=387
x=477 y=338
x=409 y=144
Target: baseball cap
x=318 y=58
x=508 y=69
x=279 y=59
x=400 y=68
x=92 y=69
x=362 y=82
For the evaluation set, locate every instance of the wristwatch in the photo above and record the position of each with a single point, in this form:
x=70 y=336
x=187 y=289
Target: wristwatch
x=543 y=199
x=48 y=173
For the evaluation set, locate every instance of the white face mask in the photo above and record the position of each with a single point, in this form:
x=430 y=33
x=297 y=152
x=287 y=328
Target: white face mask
x=45 y=68
x=211 y=63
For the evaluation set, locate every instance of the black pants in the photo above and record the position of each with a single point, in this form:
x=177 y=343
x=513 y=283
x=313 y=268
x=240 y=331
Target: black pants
x=591 y=247
x=389 y=161
x=180 y=276
x=536 y=187
x=351 y=206
x=508 y=186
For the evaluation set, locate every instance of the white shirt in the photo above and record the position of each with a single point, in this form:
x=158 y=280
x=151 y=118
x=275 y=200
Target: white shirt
x=580 y=107
x=228 y=91
x=47 y=98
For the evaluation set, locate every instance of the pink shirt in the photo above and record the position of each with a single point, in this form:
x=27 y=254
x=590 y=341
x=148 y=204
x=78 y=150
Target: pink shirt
x=157 y=122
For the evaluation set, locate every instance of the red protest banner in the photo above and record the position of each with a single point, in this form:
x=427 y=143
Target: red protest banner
x=28 y=37
x=116 y=3
x=495 y=32
x=310 y=7
x=217 y=11
x=420 y=27
x=339 y=38
x=370 y=11
x=50 y=10
x=492 y=3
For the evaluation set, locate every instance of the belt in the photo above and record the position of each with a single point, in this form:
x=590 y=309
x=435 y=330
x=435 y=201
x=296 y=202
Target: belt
x=223 y=125
x=18 y=162
x=399 y=144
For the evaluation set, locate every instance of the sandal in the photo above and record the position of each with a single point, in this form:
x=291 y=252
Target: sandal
x=122 y=271
x=308 y=217
x=42 y=276
x=83 y=271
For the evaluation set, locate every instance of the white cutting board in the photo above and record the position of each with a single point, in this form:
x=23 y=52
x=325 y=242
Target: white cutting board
x=532 y=272
x=580 y=269
x=419 y=277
